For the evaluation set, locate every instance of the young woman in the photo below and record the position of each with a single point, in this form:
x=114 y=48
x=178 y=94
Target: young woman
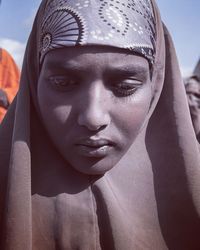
x=98 y=149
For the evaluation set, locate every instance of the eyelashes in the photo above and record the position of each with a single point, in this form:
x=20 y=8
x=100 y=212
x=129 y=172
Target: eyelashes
x=120 y=87
x=63 y=83
x=126 y=87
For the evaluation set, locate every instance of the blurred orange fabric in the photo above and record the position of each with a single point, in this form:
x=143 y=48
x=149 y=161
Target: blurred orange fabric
x=9 y=78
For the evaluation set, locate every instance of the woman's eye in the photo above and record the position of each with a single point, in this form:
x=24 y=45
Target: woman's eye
x=63 y=83
x=126 y=87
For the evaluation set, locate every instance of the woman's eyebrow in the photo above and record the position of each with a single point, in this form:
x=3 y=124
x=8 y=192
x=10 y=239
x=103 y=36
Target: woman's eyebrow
x=75 y=67
x=66 y=66
x=128 y=69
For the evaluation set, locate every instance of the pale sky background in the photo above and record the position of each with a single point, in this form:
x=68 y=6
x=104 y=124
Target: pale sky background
x=182 y=18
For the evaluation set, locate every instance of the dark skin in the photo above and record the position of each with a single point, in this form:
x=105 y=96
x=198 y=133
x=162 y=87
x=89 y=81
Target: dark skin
x=94 y=101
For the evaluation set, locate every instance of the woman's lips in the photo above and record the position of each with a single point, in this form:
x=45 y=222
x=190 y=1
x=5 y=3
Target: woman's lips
x=98 y=148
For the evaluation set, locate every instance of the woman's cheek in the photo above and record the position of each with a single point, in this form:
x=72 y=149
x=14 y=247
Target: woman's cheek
x=131 y=117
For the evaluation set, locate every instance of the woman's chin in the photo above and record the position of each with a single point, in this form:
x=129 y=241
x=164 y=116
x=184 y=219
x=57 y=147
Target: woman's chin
x=94 y=166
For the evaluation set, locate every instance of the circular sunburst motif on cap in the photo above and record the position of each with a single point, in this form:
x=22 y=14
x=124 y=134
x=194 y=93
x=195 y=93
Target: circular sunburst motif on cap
x=64 y=26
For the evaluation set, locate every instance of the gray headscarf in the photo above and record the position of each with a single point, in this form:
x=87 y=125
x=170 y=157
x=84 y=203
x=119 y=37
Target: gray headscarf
x=105 y=22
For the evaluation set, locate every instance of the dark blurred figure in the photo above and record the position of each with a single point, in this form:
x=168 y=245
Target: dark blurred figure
x=193 y=93
x=9 y=81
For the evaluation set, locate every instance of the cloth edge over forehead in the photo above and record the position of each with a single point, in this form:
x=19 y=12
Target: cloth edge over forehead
x=128 y=24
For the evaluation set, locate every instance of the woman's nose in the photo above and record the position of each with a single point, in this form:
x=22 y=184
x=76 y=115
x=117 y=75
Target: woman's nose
x=94 y=111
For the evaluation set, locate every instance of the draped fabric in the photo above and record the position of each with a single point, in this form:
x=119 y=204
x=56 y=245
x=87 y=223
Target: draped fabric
x=9 y=78
x=149 y=200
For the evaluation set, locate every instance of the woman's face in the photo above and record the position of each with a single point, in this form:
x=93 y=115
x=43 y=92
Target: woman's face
x=93 y=101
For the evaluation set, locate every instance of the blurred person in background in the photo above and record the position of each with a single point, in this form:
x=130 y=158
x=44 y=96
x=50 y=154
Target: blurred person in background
x=192 y=87
x=9 y=81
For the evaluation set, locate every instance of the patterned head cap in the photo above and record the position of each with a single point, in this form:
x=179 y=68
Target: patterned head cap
x=125 y=24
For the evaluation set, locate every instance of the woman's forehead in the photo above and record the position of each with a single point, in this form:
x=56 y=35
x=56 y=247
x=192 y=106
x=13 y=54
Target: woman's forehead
x=83 y=56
